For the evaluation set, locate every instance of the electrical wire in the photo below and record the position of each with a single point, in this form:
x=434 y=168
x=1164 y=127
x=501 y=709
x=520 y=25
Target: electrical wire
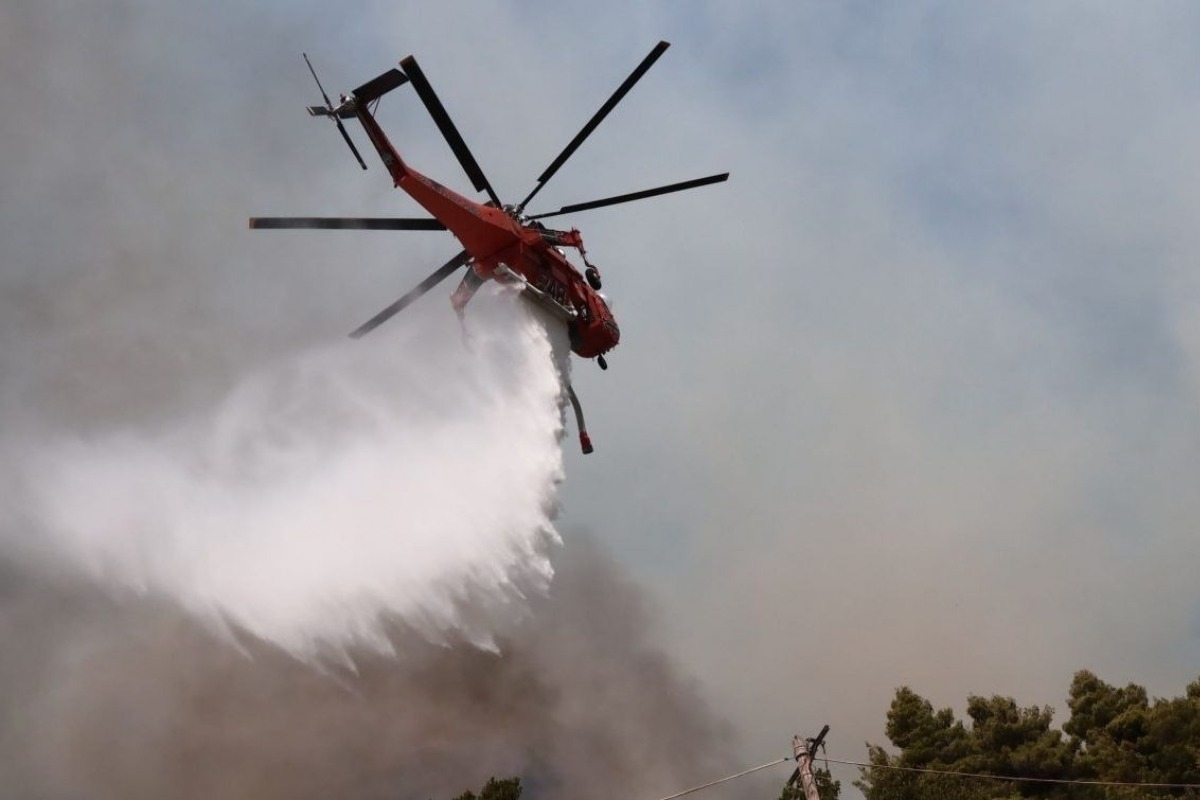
x=929 y=771
x=723 y=780
x=1015 y=779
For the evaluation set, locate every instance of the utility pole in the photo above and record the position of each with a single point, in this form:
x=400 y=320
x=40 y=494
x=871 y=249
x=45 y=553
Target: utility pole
x=804 y=749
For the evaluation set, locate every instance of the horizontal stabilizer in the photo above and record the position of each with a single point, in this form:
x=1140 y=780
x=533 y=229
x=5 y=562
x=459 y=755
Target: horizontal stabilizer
x=341 y=113
x=378 y=87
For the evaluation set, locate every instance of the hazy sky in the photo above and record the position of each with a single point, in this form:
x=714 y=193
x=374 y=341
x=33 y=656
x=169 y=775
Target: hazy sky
x=912 y=399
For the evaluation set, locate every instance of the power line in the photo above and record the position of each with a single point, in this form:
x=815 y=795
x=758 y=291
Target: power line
x=1015 y=779
x=930 y=771
x=723 y=780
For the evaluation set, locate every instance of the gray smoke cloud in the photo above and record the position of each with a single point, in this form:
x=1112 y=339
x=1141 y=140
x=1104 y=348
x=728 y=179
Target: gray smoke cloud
x=184 y=450
x=909 y=400
x=184 y=447
x=109 y=698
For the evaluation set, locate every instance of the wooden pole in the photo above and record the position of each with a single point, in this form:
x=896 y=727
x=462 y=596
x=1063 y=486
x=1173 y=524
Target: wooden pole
x=804 y=749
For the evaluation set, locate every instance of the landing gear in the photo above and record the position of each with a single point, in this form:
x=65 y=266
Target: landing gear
x=600 y=360
x=593 y=277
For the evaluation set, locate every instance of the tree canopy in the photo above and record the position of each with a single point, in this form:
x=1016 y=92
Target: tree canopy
x=506 y=789
x=1114 y=734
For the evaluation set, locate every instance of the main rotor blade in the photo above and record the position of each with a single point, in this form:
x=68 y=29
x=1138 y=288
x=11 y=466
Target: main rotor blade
x=346 y=223
x=596 y=119
x=446 y=126
x=380 y=85
x=424 y=286
x=625 y=198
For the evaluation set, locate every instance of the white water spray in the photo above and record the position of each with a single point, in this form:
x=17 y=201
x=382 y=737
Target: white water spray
x=403 y=477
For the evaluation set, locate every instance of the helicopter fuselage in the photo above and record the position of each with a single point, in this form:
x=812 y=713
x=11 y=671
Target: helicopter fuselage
x=504 y=248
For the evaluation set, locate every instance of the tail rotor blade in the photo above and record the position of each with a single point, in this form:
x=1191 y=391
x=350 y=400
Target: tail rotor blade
x=424 y=286
x=626 y=198
x=342 y=129
x=332 y=114
x=446 y=126
x=597 y=118
x=324 y=96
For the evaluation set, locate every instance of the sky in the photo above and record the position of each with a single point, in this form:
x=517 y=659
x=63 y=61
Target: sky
x=911 y=400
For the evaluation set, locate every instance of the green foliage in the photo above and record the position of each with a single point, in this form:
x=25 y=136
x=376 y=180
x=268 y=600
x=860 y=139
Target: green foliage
x=1122 y=736
x=1010 y=740
x=827 y=787
x=1095 y=705
x=507 y=789
x=1113 y=735
x=927 y=737
x=888 y=784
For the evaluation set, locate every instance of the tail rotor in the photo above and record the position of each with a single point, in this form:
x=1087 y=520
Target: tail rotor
x=333 y=113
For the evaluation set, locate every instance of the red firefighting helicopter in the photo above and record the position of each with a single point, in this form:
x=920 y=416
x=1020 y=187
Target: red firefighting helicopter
x=499 y=241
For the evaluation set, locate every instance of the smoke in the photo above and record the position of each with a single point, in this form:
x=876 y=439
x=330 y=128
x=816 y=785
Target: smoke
x=333 y=581
x=336 y=581
x=105 y=699
x=238 y=556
